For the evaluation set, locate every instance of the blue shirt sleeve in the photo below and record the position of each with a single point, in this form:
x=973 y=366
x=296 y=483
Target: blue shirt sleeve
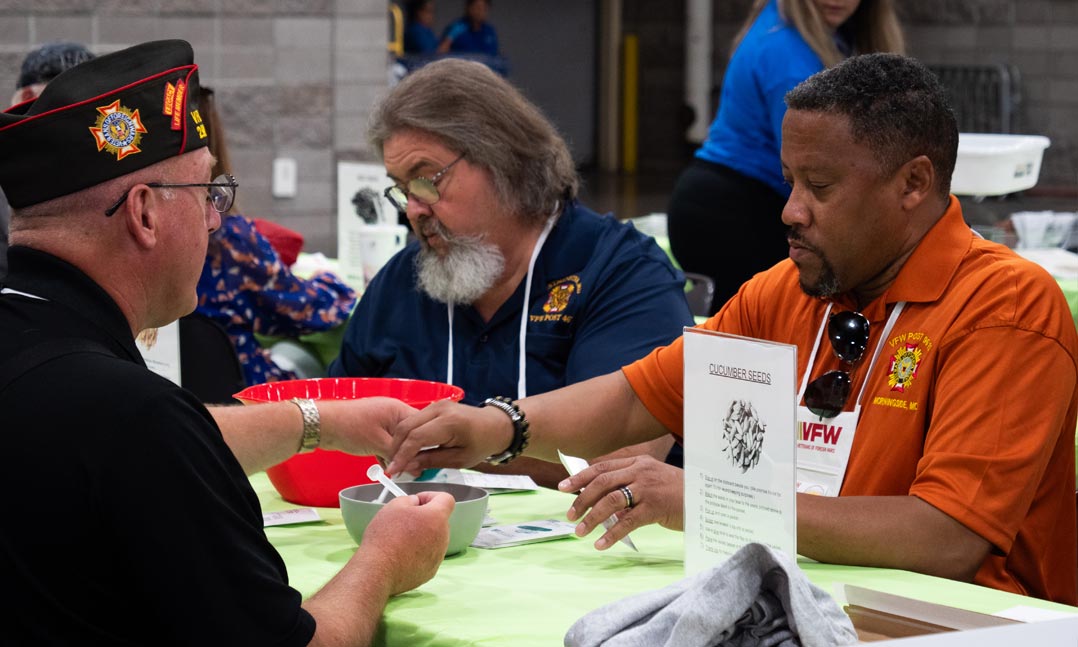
x=639 y=306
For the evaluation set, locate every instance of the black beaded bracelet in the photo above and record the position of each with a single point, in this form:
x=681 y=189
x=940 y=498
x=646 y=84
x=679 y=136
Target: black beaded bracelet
x=520 y=430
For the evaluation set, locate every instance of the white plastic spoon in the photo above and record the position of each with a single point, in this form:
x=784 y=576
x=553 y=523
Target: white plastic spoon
x=376 y=473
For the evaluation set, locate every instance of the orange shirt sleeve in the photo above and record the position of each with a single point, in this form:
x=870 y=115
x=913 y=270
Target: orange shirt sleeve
x=658 y=379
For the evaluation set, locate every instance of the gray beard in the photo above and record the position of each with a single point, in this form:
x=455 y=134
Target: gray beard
x=469 y=268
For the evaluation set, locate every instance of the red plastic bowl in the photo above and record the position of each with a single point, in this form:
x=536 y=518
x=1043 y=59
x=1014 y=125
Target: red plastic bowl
x=316 y=478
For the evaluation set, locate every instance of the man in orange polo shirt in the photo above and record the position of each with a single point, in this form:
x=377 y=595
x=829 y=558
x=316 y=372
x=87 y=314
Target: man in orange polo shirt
x=962 y=464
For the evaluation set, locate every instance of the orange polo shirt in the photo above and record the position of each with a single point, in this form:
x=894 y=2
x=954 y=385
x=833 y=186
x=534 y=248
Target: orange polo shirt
x=983 y=428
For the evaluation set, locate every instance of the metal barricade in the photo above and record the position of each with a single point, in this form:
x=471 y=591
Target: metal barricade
x=985 y=98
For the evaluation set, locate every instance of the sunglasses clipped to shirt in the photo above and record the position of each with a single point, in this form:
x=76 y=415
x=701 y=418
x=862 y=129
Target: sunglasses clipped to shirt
x=423 y=189
x=826 y=396
x=221 y=194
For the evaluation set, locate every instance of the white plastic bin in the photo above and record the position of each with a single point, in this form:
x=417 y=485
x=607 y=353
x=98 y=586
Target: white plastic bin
x=990 y=164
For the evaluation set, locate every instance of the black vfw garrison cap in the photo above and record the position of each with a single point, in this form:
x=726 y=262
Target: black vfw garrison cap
x=101 y=119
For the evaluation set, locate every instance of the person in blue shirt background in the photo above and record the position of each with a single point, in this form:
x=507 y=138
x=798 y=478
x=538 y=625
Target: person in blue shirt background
x=513 y=287
x=419 y=37
x=724 y=215
x=471 y=33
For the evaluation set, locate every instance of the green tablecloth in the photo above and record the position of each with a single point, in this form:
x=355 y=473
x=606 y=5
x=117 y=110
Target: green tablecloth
x=530 y=595
x=1070 y=292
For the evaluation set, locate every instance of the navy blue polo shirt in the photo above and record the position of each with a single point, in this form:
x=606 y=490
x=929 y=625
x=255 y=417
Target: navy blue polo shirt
x=603 y=295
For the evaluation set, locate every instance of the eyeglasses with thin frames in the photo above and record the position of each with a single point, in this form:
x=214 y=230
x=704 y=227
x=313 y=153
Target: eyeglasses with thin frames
x=221 y=194
x=826 y=396
x=421 y=188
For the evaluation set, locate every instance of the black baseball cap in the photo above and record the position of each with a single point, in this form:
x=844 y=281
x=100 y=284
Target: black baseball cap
x=48 y=61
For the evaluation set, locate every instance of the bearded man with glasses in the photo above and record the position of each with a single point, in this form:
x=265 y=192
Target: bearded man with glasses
x=513 y=287
x=951 y=361
x=110 y=180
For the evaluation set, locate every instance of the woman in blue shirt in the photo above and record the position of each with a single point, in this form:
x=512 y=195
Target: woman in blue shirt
x=725 y=212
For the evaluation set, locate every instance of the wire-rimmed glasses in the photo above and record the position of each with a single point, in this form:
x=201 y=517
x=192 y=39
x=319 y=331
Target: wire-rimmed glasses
x=421 y=188
x=221 y=194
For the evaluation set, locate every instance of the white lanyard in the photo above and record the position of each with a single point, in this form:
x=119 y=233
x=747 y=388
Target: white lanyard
x=522 y=379
x=823 y=448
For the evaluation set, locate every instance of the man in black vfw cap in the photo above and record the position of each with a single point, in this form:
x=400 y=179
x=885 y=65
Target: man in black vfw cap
x=131 y=519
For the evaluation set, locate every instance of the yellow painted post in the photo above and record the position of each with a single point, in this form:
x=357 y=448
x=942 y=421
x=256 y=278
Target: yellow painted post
x=630 y=102
x=396 y=20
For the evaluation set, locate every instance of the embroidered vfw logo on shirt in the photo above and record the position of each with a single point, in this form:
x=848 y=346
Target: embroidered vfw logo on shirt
x=560 y=294
x=903 y=368
x=909 y=350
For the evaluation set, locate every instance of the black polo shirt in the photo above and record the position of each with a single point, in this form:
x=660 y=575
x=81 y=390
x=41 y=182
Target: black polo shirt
x=127 y=520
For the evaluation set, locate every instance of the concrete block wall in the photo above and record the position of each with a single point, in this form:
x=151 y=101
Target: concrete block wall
x=293 y=78
x=1039 y=37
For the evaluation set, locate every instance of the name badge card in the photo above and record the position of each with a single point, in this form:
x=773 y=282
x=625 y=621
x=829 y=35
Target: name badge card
x=740 y=446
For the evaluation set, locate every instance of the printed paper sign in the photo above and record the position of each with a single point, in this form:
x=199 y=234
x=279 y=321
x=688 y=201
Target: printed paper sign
x=360 y=202
x=160 y=349
x=740 y=440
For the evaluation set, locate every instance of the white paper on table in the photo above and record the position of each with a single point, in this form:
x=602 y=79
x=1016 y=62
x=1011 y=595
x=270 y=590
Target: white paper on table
x=286 y=517
x=740 y=446
x=492 y=483
x=574 y=465
x=518 y=534
x=499 y=483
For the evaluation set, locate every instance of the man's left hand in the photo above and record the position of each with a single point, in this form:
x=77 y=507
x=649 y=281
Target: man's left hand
x=657 y=492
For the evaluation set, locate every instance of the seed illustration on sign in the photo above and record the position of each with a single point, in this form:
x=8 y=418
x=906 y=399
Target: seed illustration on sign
x=743 y=432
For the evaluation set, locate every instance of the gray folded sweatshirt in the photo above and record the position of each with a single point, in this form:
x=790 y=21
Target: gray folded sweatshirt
x=757 y=597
